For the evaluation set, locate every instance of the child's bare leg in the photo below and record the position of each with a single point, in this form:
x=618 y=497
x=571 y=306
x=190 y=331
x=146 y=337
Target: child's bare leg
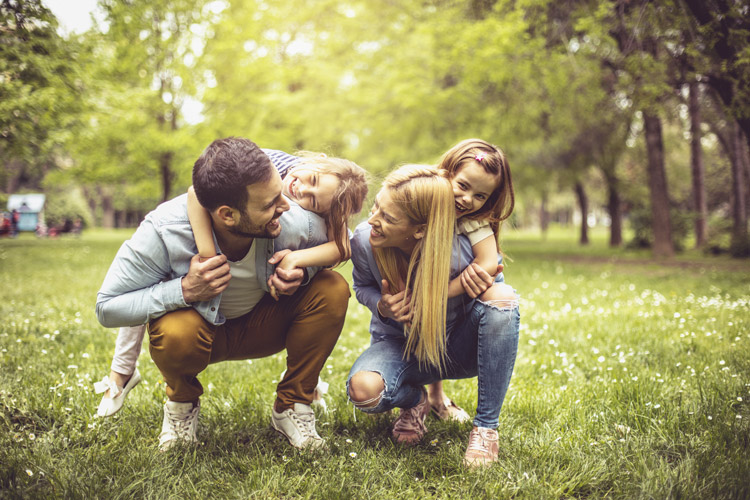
x=442 y=406
x=436 y=394
x=119 y=379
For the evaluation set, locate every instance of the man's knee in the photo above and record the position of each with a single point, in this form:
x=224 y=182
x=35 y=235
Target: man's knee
x=331 y=294
x=500 y=295
x=179 y=334
x=366 y=389
x=334 y=286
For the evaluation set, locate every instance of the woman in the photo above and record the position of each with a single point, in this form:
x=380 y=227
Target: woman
x=404 y=257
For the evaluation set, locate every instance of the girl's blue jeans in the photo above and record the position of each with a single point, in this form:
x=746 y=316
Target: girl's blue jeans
x=483 y=345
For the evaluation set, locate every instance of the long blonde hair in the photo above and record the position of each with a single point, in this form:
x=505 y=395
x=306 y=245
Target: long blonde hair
x=347 y=199
x=424 y=195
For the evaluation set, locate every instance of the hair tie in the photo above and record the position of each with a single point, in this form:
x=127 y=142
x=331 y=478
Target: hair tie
x=480 y=156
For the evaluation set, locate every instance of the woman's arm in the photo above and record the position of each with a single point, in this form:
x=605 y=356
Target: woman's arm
x=485 y=256
x=200 y=222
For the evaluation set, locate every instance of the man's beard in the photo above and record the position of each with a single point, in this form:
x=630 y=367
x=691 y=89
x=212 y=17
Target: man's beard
x=247 y=229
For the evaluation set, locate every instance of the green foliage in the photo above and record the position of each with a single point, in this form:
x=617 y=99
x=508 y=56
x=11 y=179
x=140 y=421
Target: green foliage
x=643 y=236
x=66 y=204
x=140 y=73
x=558 y=85
x=38 y=92
x=631 y=382
x=739 y=246
x=719 y=235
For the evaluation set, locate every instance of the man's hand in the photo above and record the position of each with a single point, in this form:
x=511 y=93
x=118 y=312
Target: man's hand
x=284 y=281
x=476 y=280
x=205 y=280
x=393 y=305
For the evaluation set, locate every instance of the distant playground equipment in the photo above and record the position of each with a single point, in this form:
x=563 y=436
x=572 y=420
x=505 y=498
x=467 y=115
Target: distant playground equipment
x=30 y=210
x=25 y=212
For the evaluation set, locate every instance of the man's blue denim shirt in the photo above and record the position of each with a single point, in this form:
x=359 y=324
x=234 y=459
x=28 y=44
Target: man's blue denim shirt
x=145 y=279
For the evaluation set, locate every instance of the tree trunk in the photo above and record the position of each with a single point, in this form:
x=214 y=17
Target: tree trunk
x=614 y=207
x=544 y=215
x=91 y=201
x=13 y=170
x=165 y=168
x=583 y=204
x=661 y=224
x=108 y=209
x=121 y=218
x=726 y=46
x=696 y=163
x=740 y=245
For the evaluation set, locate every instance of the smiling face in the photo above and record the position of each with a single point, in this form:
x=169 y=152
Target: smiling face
x=390 y=225
x=472 y=187
x=260 y=219
x=310 y=189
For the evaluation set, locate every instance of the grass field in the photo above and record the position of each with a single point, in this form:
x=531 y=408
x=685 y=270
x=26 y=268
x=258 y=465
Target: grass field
x=632 y=381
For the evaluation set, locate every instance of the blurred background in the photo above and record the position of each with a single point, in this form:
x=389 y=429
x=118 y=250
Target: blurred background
x=625 y=116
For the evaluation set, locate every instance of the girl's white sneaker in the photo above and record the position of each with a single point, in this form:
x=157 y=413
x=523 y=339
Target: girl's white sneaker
x=110 y=405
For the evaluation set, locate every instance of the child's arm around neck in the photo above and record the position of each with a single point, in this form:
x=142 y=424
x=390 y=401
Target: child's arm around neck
x=485 y=255
x=200 y=222
x=325 y=255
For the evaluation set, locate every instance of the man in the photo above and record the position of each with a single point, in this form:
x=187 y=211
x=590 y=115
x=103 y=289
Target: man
x=220 y=309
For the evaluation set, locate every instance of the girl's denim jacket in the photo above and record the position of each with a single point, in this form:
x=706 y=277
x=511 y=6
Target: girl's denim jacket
x=145 y=279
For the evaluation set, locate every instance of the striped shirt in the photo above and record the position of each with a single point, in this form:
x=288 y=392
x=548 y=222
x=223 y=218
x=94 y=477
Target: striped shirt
x=282 y=161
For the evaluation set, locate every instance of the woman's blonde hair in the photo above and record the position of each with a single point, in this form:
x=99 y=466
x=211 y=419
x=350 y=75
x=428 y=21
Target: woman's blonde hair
x=347 y=199
x=424 y=194
x=499 y=205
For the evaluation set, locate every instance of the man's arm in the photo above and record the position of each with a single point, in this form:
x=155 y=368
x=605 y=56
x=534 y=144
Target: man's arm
x=137 y=286
x=142 y=282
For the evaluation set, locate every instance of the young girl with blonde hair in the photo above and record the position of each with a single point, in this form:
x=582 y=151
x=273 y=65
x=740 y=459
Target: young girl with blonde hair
x=333 y=188
x=483 y=190
x=404 y=257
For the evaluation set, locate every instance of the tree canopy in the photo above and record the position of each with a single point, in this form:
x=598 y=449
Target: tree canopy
x=585 y=97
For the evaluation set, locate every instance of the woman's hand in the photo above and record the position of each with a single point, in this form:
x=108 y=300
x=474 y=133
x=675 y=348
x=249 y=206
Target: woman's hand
x=396 y=306
x=476 y=280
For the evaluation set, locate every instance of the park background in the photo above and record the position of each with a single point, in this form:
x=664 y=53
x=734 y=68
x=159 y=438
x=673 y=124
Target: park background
x=626 y=124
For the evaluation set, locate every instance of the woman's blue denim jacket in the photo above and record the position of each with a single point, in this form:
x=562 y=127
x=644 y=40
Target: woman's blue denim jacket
x=145 y=279
x=367 y=279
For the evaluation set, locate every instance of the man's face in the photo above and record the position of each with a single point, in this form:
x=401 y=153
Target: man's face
x=265 y=204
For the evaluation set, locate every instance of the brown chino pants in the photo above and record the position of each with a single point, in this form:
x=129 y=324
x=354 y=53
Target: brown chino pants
x=306 y=324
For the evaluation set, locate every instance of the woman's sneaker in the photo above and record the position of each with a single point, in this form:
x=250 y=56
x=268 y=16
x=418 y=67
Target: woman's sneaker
x=409 y=427
x=180 y=424
x=482 y=448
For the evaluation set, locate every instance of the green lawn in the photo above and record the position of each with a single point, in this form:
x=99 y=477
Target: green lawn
x=632 y=381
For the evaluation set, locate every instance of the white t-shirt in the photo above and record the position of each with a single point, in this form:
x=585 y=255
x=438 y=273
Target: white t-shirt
x=244 y=291
x=475 y=230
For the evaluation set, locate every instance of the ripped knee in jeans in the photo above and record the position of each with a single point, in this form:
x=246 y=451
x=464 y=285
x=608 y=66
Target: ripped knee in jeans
x=500 y=296
x=365 y=389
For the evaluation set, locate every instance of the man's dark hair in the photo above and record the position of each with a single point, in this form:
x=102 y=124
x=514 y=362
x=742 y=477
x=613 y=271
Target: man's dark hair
x=225 y=169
